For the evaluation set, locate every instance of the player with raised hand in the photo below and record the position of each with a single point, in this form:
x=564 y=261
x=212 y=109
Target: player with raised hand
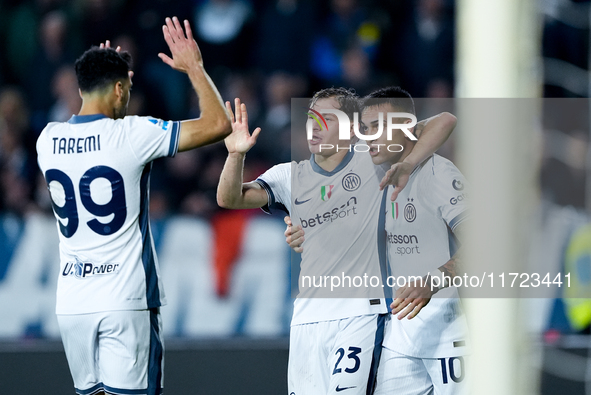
x=97 y=168
x=334 y=342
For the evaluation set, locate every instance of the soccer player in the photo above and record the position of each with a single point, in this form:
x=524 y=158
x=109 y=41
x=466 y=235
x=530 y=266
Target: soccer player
x=334 y=342
x=97 y=168
x=424 y=353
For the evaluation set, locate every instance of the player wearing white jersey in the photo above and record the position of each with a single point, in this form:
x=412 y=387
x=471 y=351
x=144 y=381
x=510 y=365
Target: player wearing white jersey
x=334 y=343
x=97 y=168
x=422 y=354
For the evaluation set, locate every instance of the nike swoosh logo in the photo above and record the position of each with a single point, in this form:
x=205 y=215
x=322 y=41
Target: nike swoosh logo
x=301 y=202
x=339 y=389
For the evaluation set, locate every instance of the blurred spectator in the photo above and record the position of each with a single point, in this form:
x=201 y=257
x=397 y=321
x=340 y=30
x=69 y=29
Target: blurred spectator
x=424 y=52
x=282 y=43
x=274 y=142
x=100 y=20
x=165 y=90
x=224 y=31
x=566 y=43
x=21 y=37
x=47 y=60
x=65 y=91
x=439 y=89
x=349 y=32
x=17 y=160
x=356 y=71
x=244 y=86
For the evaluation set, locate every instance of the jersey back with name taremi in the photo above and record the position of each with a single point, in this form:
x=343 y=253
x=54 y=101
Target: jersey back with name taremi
x=344 y=235
x=97 y=170
x=418 y=230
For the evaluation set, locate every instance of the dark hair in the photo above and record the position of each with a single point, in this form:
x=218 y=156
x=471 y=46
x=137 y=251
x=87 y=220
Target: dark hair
x=347 y=98
x=97 y=68
x=393 y=95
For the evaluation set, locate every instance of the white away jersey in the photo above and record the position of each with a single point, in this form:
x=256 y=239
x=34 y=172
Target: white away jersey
x=418 y=226
x=340 y=214
x=97 y=170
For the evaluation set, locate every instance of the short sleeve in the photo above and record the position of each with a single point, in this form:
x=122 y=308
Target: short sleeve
x=445 y=191
x=152 y=138
x=277 y=183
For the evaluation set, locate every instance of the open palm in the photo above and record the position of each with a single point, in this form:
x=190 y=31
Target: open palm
x=240 y=140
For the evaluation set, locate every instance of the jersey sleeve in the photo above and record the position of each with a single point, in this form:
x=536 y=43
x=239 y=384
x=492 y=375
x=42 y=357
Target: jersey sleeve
x=277 y=183
x=152 y=138
x=445 y=191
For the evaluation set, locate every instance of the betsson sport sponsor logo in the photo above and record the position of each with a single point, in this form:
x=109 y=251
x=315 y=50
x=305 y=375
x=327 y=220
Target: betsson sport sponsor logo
x=82 y=270
x=344 y=211
x=404 y=239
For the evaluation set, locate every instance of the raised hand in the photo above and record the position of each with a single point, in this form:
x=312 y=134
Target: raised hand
x=398 y=176
x=185 y=51
x=240 y=141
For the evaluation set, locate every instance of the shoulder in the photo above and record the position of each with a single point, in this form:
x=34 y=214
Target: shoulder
x=50 y=128
x=277 y=174
x=283 y=168
x=442 y=164
x=50 y=131
x=436 y=166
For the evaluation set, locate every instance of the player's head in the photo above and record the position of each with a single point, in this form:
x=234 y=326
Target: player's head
x=106 y=73
x=385 y=100
x=325 y=138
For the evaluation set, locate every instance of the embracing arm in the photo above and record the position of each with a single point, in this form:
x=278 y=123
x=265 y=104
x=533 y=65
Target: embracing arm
x=432 y=133
x=232 y=192
x=214 y=123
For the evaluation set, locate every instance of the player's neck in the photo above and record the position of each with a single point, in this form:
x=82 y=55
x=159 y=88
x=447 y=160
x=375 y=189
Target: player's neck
x=329 y=163
x=92 y=105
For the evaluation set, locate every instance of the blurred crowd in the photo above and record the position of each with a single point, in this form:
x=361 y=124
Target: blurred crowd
x=263 y=51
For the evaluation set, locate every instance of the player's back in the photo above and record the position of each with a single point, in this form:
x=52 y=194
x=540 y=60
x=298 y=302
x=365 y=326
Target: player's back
x=97 y=170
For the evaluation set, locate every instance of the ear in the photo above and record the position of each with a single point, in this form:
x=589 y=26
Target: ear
x=118 y=89
x=80 y=93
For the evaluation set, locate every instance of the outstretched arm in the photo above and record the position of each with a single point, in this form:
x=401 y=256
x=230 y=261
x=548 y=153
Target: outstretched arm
x=214 y=123
x=432 y=133
x=410 y=300
x=232 y=192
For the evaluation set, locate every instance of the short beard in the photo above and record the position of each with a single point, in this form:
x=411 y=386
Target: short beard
x=119 y=113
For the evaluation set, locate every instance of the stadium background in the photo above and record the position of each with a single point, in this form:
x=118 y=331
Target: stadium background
x=226 y=273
